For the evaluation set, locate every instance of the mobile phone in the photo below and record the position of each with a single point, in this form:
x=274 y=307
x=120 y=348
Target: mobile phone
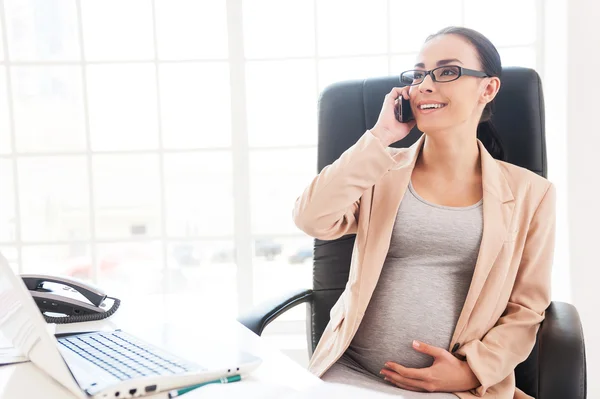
x=403 y=111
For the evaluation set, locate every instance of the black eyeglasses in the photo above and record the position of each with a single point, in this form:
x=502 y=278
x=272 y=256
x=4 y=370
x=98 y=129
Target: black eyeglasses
x=441 y=74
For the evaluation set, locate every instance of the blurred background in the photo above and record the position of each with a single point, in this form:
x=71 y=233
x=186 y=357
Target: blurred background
x=156 y=147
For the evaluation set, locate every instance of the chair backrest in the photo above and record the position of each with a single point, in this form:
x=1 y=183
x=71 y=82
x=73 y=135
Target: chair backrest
x=347 y=109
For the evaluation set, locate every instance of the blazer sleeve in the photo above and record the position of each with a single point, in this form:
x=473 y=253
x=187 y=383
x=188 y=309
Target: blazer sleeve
x=328 y=208
x=511 y=340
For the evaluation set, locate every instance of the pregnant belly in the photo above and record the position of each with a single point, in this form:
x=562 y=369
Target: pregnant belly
x=381 y=338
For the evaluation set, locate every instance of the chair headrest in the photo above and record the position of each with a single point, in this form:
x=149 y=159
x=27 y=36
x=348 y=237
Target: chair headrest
x=347 y=109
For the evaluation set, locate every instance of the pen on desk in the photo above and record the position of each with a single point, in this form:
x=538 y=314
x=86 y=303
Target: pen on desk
x=223 y=380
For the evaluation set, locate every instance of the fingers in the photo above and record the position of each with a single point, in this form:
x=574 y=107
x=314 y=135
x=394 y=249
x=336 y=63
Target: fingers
x=427 y=349
x=397 y=92
x=416 y=374
x=405 y=383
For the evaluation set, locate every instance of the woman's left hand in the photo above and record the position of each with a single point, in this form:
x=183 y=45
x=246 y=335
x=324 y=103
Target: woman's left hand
x=446 y=374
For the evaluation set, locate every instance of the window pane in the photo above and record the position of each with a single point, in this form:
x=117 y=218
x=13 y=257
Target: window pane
x=199 y=191
x=352 y=27
x=401 y=63
x=53 y=198
x=122 y=106
x=339 y=69
x=73 y=260
x=12 y=256
x=520 y=13
x=277 y=178
x=294 y=27
x=281 y=111
x=409 y=33
x=117 y=30
x=518 y=56
x=130 y=268
x=195 y=105
x=42 y=30
x=191 y=29
x=2 y=37
x=48 y=106
x=204 y=272
x=127 y=196
x=281 y=265
x=5 y=141
x=7 y=202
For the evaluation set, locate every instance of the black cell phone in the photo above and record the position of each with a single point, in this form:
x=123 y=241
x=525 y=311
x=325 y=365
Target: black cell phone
x=403 y=110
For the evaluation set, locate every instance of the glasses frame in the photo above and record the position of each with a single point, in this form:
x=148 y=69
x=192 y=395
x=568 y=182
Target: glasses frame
x=461 y=72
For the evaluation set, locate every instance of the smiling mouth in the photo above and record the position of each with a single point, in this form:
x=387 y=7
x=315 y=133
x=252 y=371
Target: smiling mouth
x=431 y=106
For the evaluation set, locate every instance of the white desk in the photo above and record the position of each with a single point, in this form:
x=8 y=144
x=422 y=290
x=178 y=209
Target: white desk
x=188 y=325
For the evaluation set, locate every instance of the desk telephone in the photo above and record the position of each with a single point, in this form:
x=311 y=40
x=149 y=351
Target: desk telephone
x=75 y=300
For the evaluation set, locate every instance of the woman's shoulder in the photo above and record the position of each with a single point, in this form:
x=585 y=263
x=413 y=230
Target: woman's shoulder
x=525 y=183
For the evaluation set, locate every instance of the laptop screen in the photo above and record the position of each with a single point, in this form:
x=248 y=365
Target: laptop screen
x=22 y=324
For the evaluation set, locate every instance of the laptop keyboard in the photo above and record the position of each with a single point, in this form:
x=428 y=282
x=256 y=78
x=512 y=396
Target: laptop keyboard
x=124 y=356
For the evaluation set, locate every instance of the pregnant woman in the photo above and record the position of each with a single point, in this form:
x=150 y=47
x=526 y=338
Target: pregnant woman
x=450 y=272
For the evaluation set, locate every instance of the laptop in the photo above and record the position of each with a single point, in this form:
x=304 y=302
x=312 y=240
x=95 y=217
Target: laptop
x=108 y=364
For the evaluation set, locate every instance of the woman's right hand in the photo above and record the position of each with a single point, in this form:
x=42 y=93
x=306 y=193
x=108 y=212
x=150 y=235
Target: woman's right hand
x=387 y=129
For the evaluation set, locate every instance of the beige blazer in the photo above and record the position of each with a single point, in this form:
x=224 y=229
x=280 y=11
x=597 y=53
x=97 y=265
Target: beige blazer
x=360 y=194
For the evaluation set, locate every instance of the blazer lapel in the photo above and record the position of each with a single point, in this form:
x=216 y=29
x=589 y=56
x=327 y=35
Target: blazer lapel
x=498 y=204
x=387 y=195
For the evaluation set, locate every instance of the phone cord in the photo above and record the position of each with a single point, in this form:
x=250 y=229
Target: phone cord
x=87 y=317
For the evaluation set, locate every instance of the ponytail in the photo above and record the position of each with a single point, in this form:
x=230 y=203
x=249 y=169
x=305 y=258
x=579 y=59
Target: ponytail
x=487 y=134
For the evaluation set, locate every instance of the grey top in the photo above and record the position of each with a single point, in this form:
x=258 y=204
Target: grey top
x=421 y=290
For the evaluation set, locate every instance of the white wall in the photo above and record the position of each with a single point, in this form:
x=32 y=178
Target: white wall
x=583 y=155
x=553 y=63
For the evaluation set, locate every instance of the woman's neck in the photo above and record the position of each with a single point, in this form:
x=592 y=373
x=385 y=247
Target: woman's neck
x=451 y=157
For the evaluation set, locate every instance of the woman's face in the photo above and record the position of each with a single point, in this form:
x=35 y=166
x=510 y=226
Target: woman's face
x=463 y=99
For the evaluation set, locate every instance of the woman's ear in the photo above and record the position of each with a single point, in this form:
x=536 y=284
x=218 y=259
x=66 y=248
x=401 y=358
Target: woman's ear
x=491 y=89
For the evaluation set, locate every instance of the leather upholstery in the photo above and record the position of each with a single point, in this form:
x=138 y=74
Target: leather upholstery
x=347 y=109
x=556 y=367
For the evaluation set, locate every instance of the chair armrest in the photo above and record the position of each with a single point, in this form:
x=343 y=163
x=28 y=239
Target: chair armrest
x=260 y=316
x=562 y=364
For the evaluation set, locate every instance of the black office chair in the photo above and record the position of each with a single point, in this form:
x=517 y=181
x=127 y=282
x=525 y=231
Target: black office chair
x=556 y=367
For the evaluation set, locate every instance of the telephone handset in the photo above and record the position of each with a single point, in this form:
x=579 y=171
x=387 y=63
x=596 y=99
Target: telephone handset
x=403 y=111
x=76 y=300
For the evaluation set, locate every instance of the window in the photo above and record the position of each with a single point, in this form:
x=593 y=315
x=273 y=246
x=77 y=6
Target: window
x=121 y=161
x=7 y=203
x=5 y=136
x=115 y=145
x=49 y=96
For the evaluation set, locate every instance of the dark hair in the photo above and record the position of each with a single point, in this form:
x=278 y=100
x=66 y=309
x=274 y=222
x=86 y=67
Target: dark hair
x=492 y=66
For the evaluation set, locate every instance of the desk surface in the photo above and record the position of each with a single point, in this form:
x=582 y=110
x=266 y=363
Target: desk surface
x=277 y=373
